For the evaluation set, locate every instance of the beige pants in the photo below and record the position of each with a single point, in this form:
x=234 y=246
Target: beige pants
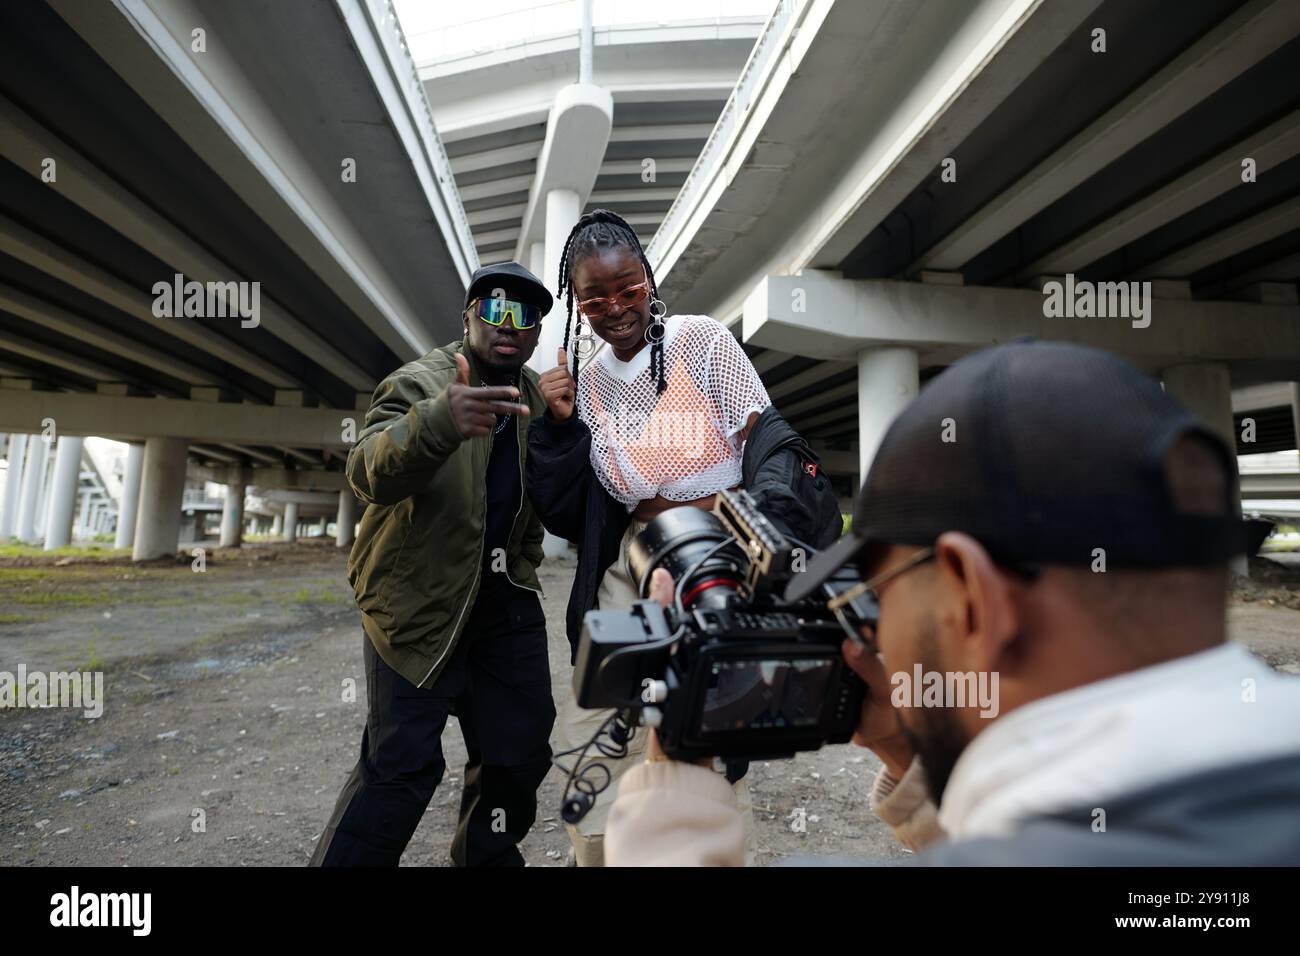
x=577 y=725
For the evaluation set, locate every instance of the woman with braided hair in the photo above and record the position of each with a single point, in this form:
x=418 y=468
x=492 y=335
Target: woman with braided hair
x=662 y=415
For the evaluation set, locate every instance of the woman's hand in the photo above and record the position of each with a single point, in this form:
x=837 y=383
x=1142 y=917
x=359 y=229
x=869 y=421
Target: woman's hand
x=558 y=388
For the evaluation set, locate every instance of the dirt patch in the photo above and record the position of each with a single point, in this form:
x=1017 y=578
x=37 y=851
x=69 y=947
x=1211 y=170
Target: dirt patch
x=224 y=701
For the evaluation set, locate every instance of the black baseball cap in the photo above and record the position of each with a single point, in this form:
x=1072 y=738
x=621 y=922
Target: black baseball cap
x=1042 y=452
x=514 y=279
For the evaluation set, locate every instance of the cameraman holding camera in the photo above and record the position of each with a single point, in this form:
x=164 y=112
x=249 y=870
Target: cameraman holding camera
x=1073 y=541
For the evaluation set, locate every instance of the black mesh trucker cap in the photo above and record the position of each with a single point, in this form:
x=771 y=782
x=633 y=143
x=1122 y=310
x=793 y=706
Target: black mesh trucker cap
x=514 y=279
x=1055 y=450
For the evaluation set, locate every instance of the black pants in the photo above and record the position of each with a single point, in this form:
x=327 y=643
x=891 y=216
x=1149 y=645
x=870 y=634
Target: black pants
x=498 y=684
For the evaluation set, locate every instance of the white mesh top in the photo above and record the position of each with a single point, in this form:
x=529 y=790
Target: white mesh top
x=682 y=444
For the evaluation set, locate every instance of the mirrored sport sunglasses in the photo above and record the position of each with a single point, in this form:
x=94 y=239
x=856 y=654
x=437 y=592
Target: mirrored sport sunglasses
x=497 y=312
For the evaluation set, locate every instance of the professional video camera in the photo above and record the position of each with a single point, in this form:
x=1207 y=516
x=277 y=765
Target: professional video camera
x=730 y=669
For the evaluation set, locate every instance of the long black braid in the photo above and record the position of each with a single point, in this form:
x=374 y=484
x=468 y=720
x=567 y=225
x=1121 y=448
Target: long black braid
x=597 y=230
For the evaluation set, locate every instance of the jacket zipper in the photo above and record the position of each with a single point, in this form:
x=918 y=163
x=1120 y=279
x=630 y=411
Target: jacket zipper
x=479 y=564
x=478 y=570
x=519 y=440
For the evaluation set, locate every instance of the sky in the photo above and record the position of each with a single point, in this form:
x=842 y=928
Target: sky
x=437 y=28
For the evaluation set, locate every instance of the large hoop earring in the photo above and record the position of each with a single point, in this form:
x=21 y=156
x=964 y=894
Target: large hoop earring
x=658 y=309
x=583 y=340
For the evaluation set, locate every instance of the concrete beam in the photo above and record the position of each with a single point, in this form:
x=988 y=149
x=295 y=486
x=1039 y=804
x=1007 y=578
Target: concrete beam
x=215 y=105
x=266 y=479
x=20 y=242
x=25 y=142
x=495 y=187
x=844 y=316
x=1250 y=232
x=50 y=355
x=92 y=333
x=947 y=76
x=1275 y=144
x=1243 y=39
x=129 y=418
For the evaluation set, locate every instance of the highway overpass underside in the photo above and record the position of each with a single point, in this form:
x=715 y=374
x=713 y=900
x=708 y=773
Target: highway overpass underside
x=278 y=158
x=895 y=185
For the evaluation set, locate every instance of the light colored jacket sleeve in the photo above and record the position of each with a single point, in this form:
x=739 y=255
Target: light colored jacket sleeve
x=679 y=814
x=674 y=814
x=906 y=806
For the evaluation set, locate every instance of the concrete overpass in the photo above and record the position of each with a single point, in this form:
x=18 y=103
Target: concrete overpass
x=894 y=184
x=276 y=157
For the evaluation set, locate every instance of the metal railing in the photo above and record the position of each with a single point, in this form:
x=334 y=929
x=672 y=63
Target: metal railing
x=389 y=32
x=753 y=77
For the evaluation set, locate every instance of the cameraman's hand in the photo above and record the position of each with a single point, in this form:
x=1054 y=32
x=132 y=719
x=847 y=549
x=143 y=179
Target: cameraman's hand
x=662 y=587
x=661 y=592
x=475 y=410
x=879 y=729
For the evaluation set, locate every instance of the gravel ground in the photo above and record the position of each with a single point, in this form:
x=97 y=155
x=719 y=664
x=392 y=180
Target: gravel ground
x=224 y=704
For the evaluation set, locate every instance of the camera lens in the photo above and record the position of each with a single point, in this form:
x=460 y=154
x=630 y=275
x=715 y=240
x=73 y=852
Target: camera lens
x=680 y=541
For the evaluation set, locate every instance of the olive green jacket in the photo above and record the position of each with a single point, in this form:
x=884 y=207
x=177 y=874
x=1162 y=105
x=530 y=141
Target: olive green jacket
x=418 y=557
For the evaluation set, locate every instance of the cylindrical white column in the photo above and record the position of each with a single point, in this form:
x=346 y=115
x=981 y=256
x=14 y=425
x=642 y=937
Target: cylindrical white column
x=1206 y=389
x=276 y=524
x=162 y=492
x=291 y=521
x=33 y=479
x=347 y=519
x=563 y=208
x=232 y=517
x=130 y=496
x=888 y=378
x=13 y=487
x=537 y=263
x=63 y=492
x=83 y=515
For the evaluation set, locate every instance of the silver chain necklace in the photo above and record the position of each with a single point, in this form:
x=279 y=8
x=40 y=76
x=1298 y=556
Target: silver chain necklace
x=505 y=419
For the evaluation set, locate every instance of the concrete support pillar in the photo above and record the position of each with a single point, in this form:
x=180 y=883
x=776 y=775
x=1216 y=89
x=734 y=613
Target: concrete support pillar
x=347 y=519
x=563 y=207
x=83 y=515
x=33 y=480
x=1206 y=389
x=162 y=491
x=537 y=264
x=277 y=524
x=290 y=521
x=1295 y=412
x=63 y=492
x=13 y=487
x=130 y=496
x=888 y=378
x=232 y=517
